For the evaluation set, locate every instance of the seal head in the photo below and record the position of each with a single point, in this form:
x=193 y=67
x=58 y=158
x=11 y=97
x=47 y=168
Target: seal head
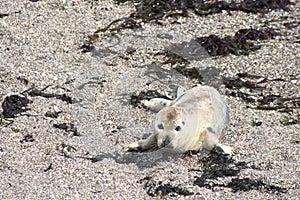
x=168 y=125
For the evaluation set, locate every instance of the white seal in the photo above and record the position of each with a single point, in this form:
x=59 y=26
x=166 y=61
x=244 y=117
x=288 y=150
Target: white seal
x=193 y=121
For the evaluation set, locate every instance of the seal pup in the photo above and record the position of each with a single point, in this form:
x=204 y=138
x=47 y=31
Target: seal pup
x=193 y=121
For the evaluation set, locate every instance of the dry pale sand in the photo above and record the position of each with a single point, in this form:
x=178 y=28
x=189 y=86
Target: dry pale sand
x=40 y=42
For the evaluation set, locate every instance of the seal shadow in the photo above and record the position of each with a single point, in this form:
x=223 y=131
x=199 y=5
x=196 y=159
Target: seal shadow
x=142 y=160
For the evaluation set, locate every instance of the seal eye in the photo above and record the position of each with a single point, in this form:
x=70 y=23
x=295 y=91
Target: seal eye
x=160 y=126
x=178 y=128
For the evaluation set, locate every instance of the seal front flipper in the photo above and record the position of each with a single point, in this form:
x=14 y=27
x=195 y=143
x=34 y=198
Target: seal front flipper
x=144 y=144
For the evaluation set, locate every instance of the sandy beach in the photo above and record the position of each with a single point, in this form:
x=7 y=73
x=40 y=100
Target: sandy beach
x=71 y=82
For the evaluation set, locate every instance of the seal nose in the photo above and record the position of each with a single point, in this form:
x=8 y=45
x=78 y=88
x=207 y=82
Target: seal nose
x=166 y=141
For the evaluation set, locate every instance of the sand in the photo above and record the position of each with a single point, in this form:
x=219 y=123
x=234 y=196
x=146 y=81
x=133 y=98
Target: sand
x=40 y=46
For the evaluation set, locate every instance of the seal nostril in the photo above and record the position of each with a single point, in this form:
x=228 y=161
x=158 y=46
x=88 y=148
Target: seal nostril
x=167 y=141
x=178 y=128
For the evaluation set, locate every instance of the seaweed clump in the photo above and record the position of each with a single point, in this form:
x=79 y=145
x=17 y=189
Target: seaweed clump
x=157 y=9
x=216 y=166
x=70 y=128
x=238 y=44
x=158 y=189
x=257 y=95
x=148 y=10
x=14 y=104
x=40 y=92
x=248 y=6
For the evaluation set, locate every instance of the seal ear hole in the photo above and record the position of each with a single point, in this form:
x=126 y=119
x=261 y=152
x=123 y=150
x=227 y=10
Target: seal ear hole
x=183 y=123
x=160 y=126
x=178 y=128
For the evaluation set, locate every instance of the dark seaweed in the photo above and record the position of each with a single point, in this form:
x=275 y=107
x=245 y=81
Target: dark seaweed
x=256 y=123
x=70 y=128
x=192 y=73
x=136 y=99
x=246 y=184
x=182 y=63
x=238 y=44
x=36 y=92
x=244 y=96
x=148 y=10
x=219 y=165
x=87 y=47
x=291 y=25
x=157 y=9
x=52 y=114
x=120 y=24
x=157 y=188
x=249 y=6
x=62 y=97
x=254 y=34
x=216 y=166
x=27 y=138
x=256 y=96
x=3 y=15
x=23 y=80
x=239 y=83
x=14 y=105
x=115 y=26
x=48 y=168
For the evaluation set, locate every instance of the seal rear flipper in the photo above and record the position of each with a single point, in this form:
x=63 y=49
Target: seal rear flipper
x=222 y=149
x=156 y=104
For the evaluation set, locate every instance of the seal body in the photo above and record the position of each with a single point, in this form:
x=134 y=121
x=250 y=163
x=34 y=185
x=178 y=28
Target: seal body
x=193 y=121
